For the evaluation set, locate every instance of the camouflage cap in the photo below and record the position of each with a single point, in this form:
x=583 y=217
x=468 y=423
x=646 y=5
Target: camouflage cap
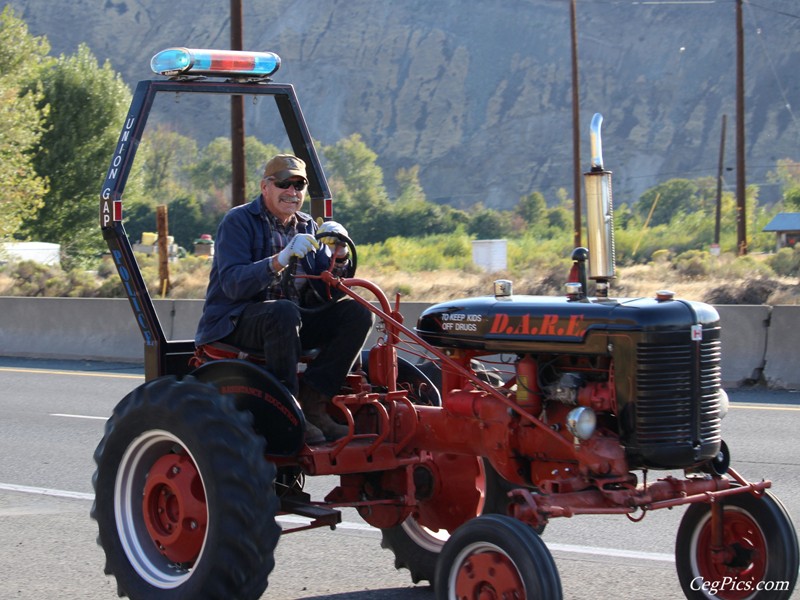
x=284 y=166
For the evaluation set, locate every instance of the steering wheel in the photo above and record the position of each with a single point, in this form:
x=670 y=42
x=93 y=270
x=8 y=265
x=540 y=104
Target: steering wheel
x=346 y=266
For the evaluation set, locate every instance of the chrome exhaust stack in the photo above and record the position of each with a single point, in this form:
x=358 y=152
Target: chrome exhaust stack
x=599 y=215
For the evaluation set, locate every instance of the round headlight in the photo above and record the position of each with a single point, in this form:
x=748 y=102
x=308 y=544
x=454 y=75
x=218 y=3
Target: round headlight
x=581 y=422
x=724 y=403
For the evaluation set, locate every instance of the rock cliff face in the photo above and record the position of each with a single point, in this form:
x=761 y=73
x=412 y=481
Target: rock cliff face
x=478 y=92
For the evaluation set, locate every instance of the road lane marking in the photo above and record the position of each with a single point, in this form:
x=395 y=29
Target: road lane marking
x=26 y=489
x=78 y=416
x=78 y=373
x=763 y=406
x=353 y=526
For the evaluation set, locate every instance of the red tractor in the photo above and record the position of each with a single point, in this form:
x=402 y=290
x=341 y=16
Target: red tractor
x=467 y=433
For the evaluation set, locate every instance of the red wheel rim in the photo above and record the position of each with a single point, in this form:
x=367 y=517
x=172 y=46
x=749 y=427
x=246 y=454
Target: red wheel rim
x=488 y=575
x=742 y=562
x=458 y=501
x=174 y=508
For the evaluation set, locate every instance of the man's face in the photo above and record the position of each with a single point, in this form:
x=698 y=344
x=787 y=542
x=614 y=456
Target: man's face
x=283 y=203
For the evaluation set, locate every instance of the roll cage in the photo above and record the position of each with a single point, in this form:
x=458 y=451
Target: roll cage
x=163 y=356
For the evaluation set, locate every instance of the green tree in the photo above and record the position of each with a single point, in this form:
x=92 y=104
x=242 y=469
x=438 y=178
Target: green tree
x=531 y=208
x=488 y=224
x=21 y=122
x=87 y=105
x=670 y=198
x=791 y=198
x=211 y=174
x=187 y=222
x=360 y=199
x=409 y=187
x=165 y=157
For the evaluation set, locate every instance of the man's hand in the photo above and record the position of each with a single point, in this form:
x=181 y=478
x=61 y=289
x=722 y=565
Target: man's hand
x=338 y=247
x=298 y=246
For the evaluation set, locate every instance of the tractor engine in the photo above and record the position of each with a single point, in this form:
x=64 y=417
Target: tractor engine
x=648 y=368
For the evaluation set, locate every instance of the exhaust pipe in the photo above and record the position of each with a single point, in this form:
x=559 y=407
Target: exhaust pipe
x=599 y=214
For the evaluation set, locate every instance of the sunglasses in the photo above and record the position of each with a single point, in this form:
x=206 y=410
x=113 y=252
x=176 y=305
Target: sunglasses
x=285 y=185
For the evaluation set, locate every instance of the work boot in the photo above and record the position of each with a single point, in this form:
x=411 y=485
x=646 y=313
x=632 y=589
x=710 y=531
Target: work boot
x=313 y=435
x=315 y=409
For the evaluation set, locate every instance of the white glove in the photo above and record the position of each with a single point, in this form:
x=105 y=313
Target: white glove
x=298 y=246
x=334 y=227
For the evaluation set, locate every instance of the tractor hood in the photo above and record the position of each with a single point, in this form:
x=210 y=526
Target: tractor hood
x=514 y=323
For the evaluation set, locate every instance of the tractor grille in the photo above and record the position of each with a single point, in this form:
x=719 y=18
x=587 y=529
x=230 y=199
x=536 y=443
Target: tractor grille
x=677 y=417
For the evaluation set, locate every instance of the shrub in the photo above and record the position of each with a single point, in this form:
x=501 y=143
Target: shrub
x=693 y=264
x=754 y=291
x=786 y=262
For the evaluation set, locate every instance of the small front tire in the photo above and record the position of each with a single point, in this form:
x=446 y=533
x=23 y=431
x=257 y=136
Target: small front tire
x=759 y=550
x=496 y=556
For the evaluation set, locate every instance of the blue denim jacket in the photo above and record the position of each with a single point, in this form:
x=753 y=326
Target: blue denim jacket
x=240 y=271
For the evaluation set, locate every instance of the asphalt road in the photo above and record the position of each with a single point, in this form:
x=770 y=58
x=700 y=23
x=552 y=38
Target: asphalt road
x=52 y=416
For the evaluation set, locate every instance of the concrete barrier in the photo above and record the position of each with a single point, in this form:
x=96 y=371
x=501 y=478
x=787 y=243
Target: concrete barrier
x=744 y=342
x=782 y=358
x=758 y=342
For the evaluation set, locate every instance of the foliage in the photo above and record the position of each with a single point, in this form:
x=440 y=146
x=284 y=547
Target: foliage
x=29 y=278
x=430 y=253
x=87 y=104
x=531 y=208
x=166 y=158
x=786 y=262
x=787 y=174
x=356 y=182
x=488 y=224
x=22 y=117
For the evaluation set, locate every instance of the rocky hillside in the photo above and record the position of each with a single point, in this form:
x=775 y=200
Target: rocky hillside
x=477 y=92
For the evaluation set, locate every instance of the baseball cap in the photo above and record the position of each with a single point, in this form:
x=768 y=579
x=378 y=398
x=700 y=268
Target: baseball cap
x=284 y=166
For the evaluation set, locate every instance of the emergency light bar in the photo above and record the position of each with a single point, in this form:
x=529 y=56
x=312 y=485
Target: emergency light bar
x=215 y=63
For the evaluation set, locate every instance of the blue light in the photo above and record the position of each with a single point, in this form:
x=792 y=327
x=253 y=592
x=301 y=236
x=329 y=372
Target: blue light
x=220 y=63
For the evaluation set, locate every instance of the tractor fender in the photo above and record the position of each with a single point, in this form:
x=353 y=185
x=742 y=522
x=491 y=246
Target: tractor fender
x=276 y=413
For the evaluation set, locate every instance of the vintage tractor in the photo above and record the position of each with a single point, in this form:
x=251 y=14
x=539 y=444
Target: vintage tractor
x=466 y=435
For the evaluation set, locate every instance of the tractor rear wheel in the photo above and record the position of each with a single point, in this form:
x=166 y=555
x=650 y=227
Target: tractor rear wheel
x=496 y=556
x=468 y=487
x=758 y=557
x=184 y=499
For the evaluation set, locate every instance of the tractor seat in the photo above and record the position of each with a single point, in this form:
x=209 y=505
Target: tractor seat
x=219 y=351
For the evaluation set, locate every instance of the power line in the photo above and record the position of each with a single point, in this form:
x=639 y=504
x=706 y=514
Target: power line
x=772 y=10
x=768 y=56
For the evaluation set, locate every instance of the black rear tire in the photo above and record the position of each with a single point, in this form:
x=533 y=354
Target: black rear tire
x=184 y=499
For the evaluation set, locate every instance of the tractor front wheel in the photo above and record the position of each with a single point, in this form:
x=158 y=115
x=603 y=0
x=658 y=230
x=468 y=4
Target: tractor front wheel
x=758 y=556
x=467 y=487
x=184 y=499
x=496 y=556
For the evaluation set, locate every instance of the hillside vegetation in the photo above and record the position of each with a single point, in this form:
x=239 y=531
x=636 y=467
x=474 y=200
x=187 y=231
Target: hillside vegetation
x=421 y=270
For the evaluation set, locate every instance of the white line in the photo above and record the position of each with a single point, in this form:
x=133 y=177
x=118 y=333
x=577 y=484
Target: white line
x=295 y=520
x=554 y=547
x=26 y=489
x=615 y=552
x=78 y=416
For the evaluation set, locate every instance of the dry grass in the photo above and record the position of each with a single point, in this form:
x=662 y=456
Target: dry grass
x=631 y=282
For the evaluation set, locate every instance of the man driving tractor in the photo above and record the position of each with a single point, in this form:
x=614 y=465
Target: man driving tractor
x=247 y=306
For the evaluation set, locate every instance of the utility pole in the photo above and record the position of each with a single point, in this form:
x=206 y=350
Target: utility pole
x=237 y=115
x=720 y=168
x=741 y=184
x=576 y=135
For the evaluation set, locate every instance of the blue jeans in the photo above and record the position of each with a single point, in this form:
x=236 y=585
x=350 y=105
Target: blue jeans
x=281 y=329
